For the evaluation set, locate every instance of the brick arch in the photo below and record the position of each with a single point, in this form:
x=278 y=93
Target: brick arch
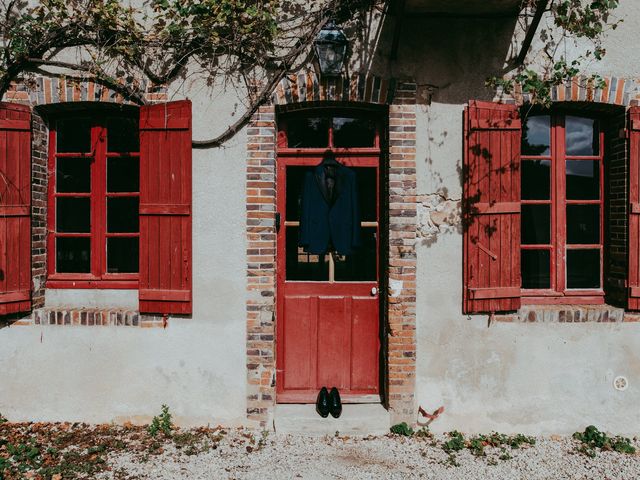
x=617 y=91
x=307 y=86
x=45 y=90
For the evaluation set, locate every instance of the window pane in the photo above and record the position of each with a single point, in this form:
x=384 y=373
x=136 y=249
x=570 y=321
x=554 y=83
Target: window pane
x=536 y=180
x=302 y=265
x=367 y=193
x=361 y=265
x=123 y=174
x=536 y=224
x=295 y=184
x=583 y=179
x=307 y=132
x=73 y=255
x=122 y=215
x=122 y=255
x=536 y=135
x=583 y=224
x=73 y=135
x=583 y=268
x=536 y=268
x=353 y=132
x=122 y=135
x=73 y=175
x=73 y=215
x=581 y=136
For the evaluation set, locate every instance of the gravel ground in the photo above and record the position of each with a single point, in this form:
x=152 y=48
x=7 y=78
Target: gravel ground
x=240 y=454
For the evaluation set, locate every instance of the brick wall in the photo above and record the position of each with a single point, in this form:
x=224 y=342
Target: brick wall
x=400 y=343
x=39 y=153
x=261 y=249
x=401 y=338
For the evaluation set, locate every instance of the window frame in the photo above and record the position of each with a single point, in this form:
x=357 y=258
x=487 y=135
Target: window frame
x=98 y=277
x=558 y=293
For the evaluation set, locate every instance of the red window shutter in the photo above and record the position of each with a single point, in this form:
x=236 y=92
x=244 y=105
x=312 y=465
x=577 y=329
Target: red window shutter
x=15 y=208
x=165 y=208
x=491 y=208
x=633 y=301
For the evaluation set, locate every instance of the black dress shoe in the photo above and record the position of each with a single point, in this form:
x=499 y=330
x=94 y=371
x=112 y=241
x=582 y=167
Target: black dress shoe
x=322 y=403
x=335 y=405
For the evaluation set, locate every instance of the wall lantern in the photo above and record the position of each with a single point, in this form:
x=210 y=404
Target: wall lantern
x=331 y=48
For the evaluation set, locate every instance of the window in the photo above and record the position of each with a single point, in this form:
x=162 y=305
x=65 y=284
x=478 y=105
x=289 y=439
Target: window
x=562 y=193
x=94 y=190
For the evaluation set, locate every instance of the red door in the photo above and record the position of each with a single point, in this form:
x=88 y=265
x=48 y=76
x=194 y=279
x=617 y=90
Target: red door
x=328 y=323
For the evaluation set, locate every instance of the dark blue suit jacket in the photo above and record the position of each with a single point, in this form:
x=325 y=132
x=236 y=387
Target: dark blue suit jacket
x=324 y=220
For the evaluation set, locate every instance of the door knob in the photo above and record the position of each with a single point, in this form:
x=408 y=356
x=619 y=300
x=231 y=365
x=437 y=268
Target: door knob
x=374 y=291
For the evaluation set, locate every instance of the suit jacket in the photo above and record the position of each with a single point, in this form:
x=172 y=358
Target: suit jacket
x=328 y=221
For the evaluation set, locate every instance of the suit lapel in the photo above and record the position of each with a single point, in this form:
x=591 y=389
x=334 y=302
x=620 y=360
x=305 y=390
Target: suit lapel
x=318 y=173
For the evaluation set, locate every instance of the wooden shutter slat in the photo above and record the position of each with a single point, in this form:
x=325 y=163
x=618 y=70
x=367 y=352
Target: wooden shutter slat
x=496 y=208
x=490 y=293
x=633 y=300
x=165 y=208
x=491 y=207
x=15 y=208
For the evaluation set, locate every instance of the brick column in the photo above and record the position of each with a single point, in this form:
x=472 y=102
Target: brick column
x=39 y=155
x=401 y=338
x=261 y=258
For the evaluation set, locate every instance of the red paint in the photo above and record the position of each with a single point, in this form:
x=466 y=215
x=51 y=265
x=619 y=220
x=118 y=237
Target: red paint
x=165 y=208
x=558 y=291
x=328 y=333
x=15 y=206
x=491 y=213
x=634 y=209
x=98 y=277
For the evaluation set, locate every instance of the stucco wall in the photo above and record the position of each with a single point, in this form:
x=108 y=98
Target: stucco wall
x=530 y=378
x=197 y=365
x=511 y=377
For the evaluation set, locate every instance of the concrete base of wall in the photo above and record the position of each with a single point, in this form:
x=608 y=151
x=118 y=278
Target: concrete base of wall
x=356 y=419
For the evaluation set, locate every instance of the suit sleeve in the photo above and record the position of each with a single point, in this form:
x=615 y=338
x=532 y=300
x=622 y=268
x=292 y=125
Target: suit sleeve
x=355 y=212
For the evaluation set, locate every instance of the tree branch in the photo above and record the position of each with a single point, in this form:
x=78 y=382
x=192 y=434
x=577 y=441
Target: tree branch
x=266 y=91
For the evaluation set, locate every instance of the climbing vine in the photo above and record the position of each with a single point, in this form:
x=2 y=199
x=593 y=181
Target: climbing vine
x=578 y=25
x=248 y=43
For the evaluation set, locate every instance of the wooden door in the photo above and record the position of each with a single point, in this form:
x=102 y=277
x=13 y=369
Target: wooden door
x=328 y=322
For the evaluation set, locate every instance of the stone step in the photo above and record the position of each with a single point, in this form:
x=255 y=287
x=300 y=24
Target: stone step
x=356 y=419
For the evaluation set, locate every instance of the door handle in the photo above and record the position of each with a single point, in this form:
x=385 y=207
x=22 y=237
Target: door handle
x=374 y=291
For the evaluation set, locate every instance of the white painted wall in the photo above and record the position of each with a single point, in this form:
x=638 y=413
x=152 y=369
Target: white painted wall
x=534 y=378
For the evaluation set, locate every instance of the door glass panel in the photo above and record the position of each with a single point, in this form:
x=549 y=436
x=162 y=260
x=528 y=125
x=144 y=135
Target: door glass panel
x=536 y=135
x=122 y=214
x=581 y=136
x=536 y=180
x=362 y=264
x=122 y=255
x=353 y=132
x=295 y=184
x=73 y=255
x=307 y=132
x=73 y=215
x=367 y=193
x=583 y=268
x=536 y=268
x=123 y=174
x=536 y=224
x=73 y=175
x=302 y=265
x=583 y=179
x=583 y=224
x=122 y=135
x=73 y=135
